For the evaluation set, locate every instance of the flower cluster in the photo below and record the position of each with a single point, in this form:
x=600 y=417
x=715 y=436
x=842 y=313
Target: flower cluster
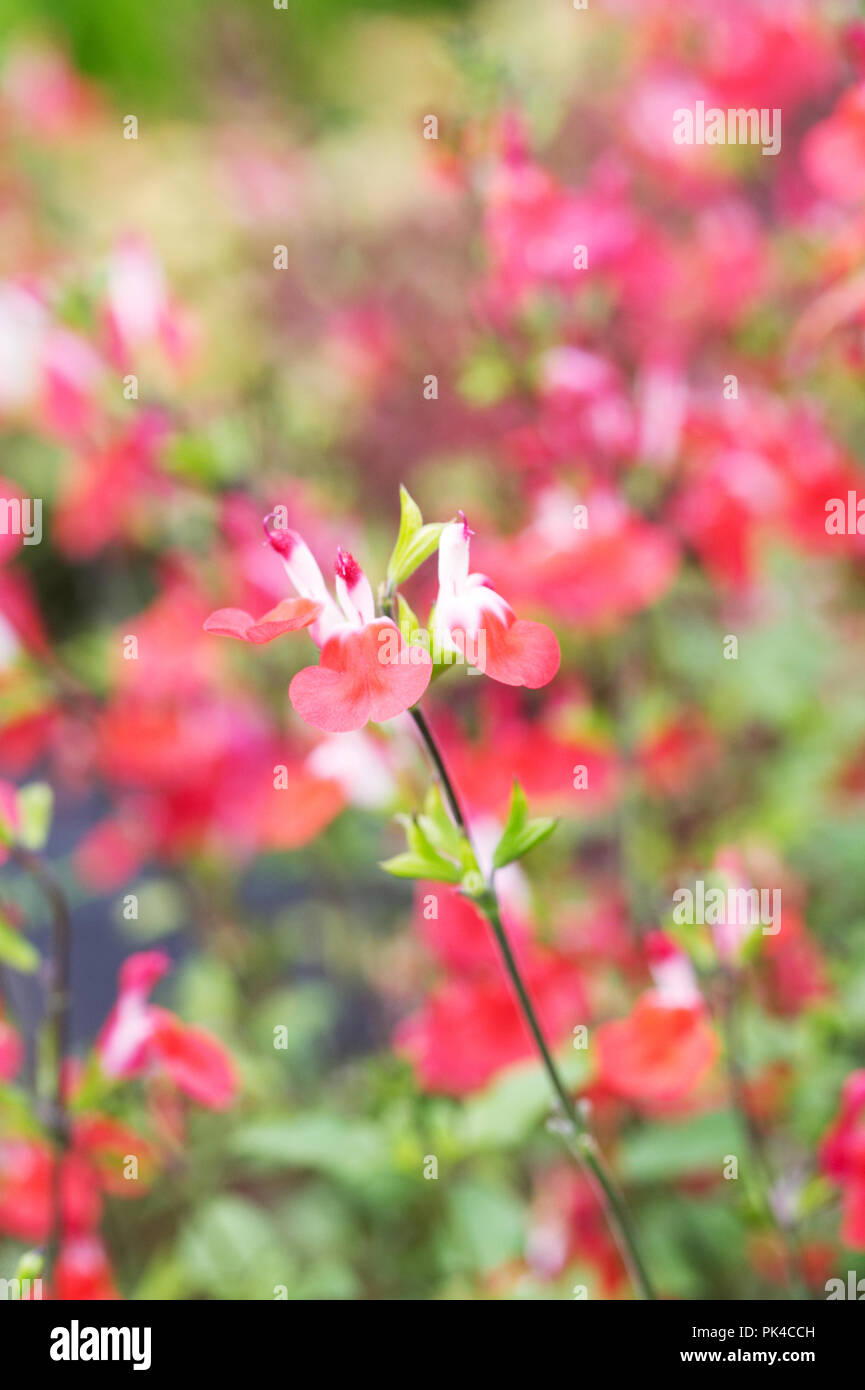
x=635 y=366
x=366 y=670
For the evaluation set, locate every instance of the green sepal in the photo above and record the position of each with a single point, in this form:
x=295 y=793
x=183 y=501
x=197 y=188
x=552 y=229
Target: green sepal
x=520 y=833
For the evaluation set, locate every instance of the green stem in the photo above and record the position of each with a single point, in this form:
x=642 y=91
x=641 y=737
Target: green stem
x=581 y=1144
x=58 y=1022
x=441 y=771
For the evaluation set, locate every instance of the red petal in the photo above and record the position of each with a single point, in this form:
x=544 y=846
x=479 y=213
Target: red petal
x=291 y=815
x=11 y=1052
x=83 y=1272
x=656 y=1054
x=107 y=1144
x=522 y=653
x=195 y=1061
x=853 y=1215
x=287 y=616
x=368 y=673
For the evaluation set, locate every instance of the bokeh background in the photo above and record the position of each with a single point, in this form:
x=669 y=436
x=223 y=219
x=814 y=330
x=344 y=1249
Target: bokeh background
x=242 y=307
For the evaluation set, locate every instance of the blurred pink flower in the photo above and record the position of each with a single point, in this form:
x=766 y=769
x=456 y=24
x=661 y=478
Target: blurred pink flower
x=138 y=1038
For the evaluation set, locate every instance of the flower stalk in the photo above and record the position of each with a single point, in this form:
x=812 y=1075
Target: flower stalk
x=581 y=1144
x=58 y=997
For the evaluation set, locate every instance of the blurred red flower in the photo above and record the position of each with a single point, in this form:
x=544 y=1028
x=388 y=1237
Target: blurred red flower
x=842 y=1157
x=658 y=1054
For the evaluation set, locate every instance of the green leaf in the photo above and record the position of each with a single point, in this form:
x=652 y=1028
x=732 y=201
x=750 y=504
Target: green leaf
x=164 y=1279
x=517 y=1102
x=410 y=518
x=415 y=866
x=667 y=1152
x=329 y=1143
x=231 y=1249
x=415 y=542
x=35 y=807
x=518 y=811
x=440 y=831
x=424 y=836
x=417 y=838
x=521 y=834
x=306 y=1012
x=504 y=1114
x=16 y=951
x=485 y=1225
x=534 y=833
x=421 y=546
x=161 y=908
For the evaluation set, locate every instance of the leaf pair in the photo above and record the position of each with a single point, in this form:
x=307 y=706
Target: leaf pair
x=436 y=849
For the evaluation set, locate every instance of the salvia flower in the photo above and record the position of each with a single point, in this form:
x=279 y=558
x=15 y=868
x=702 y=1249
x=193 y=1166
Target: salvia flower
x=366 y=671
x=473 y=620
x=138 y=1038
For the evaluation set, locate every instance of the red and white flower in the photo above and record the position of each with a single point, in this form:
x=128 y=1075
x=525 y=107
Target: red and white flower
x=366 y=671
x=471 y=619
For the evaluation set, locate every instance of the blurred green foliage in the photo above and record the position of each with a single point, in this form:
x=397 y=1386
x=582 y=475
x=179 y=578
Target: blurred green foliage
x=167 y=58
